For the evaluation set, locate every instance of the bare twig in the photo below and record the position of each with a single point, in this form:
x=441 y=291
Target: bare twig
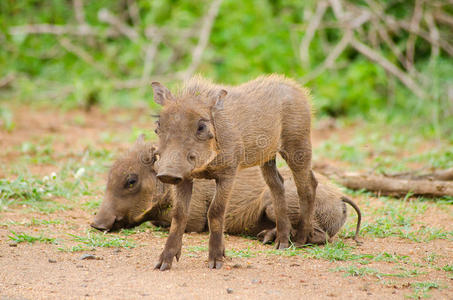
x=84 y=55
x=443 y=17
x=310 y=32
x=205 y=32
x=79 y=12
x=434 y=34
x=106 y=16
x=150 y=53
x=331 y=58
x=389 y=42
x=81 y=30
x=134 y=12
x=337 y=8
x=395 y=25
x=6 y=81
x=389 y=67
x=414 y=26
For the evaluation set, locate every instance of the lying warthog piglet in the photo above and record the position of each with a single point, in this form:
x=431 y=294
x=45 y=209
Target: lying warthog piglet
x=211 y=131
x=134 y=195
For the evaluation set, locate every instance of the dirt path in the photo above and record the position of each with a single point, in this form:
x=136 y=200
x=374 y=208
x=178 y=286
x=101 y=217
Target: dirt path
x=407 y=248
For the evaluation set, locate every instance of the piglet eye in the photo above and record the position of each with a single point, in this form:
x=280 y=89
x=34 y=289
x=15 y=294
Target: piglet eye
x=201 y=127
x=131 y=181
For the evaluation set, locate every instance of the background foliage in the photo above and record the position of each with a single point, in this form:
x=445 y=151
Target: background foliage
x=248 y=38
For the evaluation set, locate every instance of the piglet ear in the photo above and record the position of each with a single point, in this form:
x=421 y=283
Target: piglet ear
x=161 y=94
x=219 y=100
x=149 y=155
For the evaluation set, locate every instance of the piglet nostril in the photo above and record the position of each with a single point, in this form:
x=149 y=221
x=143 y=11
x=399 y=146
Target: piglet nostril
x=169 y=178
x=191 y=157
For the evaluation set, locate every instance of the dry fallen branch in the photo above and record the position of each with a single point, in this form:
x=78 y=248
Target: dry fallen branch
x=388 y=186
x=396 y=187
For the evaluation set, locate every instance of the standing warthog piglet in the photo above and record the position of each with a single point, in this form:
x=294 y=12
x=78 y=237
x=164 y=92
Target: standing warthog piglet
x=212 y=131
x=134 y=195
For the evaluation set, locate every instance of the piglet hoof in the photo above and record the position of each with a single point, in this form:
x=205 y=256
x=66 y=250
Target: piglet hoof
x=302 y=237
x=267 y=236
x=281 y=243
x=166 y=259
x=215 y=260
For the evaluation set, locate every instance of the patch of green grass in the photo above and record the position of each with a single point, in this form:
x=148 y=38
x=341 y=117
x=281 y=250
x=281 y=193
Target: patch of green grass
x=358 y=271
x=32 y=193
x=421 y=289
x=398 y=218
x=22 y=189
x=91 y=204
x=427 y=234
x=95 y=240
x=336 y=150
x=76 y=248
x=291 y=251
x=197 y=248
x=38 y=153
x=448 y=268
x=353 y=270
x=441 y=158
x=23 y=237
x=240 y=253
x=384 y=256
x=33 y=222
x=141 y=228
x=337 y=251
x=36 y=193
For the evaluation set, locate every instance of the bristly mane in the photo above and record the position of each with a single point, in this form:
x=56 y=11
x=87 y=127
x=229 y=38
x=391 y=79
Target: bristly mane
x=198 y=87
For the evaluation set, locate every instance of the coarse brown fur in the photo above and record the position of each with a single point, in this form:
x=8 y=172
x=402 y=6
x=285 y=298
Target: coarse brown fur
x=211 y=131
x=250 y=210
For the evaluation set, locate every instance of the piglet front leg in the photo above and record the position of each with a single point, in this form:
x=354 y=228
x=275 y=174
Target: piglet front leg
x=216 y=217
x=178 y=225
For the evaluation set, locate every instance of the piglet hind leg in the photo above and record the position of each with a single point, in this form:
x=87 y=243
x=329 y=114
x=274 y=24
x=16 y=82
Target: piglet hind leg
x=275 y=182
x=173 y=244
x=216 y=214
x=298 y=156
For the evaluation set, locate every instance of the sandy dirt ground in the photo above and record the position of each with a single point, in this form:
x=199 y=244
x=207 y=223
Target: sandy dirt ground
x=42 y=271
